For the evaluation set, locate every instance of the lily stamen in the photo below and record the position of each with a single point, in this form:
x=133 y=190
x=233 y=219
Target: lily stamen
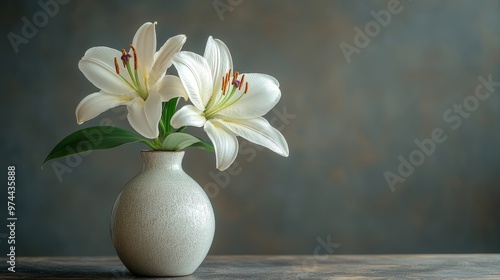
x=135 y=57
x=235 y=76
x=117 y=67
x=227 y=97
x=133 y=74
x=226 y=82
x=242 y=81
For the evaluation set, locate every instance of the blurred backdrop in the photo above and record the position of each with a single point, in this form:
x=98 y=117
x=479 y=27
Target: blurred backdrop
x=391 y=111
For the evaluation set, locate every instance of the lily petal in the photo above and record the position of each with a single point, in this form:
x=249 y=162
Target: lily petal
x=219 y=59
x=170 y=87
x=196 y=77
x=144 y=116
x=145 y=43
x=98 y=66
x=260 y=132
x=263 y=94
x=225 y=144
x=163 y=58
x=96 y=103
x=188 y=116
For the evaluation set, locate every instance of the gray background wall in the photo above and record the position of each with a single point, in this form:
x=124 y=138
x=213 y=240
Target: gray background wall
x=351 y=122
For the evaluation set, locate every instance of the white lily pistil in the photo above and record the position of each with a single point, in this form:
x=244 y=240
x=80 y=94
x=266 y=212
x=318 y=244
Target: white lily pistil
x=231 y=93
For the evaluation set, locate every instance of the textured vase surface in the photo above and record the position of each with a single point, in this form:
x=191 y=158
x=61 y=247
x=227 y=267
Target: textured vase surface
x=162 y=223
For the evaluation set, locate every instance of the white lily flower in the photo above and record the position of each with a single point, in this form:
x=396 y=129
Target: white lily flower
x=227 y=104
x=141 y=85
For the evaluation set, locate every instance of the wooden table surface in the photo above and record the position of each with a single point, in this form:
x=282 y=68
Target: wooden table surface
x=471 y=266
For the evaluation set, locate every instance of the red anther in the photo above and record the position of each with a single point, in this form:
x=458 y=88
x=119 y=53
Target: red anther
x=242 y=81
x=236 y=73
x=117 y=68
x=227 y=77
x=135 y=57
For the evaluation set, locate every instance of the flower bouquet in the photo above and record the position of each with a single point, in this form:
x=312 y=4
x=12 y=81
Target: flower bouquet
x=224 y=102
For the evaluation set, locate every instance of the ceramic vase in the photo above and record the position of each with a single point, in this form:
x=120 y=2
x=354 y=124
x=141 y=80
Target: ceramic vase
x=162 y=223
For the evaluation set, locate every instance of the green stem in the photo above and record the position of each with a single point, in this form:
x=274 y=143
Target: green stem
x=157 y=144
x=151 y=144
x=171 y=106
x=163 y=122
x=181 y=129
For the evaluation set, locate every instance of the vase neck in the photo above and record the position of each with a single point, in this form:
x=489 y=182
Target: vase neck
x=162 y=159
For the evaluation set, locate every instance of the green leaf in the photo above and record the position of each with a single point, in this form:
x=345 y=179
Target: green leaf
x=204 y=145
x=178 y=141
x=93 y=138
